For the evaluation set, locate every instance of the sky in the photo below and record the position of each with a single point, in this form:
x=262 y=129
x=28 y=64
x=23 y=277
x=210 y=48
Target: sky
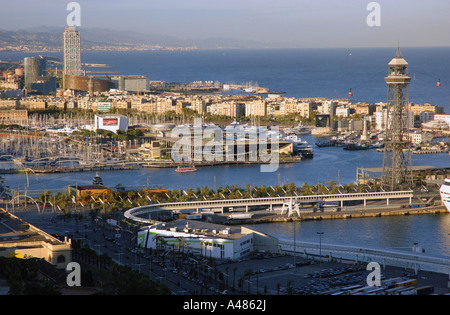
x=283 y=23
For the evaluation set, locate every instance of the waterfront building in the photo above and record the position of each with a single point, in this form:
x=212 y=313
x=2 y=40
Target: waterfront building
x=132 y=83
x=150 y=150
x=59 y=103
x=165 y=105
x=230 y=109
x=327 y=108
x=342 y=111
x=420 y=137
x=121 y=104
x=45 y=85
x=111 y=122
x=306 y=108
x=103 y=106
x=288 y=106
x=80 y=191
x=72 y=52
x=23 y=240
x=33 y=103
x=198 y=105
x=256 y=108
x=425 y=117
x=198 y=237
x=13 y=116
x=8 y=103
x=417 y=109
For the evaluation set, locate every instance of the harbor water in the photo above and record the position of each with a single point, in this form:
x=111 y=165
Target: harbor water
x=330 y=163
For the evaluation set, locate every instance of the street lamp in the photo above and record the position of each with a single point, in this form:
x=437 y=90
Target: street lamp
x=320 y=259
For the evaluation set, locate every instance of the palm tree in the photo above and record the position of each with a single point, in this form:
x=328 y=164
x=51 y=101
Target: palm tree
x=248 y=273
x=234 y=277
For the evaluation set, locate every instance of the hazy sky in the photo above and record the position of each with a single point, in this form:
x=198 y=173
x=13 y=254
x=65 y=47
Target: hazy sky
x=290 y=23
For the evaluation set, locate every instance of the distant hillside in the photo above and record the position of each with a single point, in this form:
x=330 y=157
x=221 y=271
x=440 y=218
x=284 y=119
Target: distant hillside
x=50 y=38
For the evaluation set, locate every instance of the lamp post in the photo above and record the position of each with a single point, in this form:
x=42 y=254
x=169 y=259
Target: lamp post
x=320 y=259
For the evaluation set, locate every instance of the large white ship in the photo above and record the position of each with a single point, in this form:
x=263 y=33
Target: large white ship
x=445 y=193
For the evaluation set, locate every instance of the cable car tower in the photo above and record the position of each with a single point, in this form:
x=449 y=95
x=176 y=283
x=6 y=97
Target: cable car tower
x=397 y=173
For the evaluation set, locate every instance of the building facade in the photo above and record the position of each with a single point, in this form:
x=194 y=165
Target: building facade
x=199 y=238
x=111 y=122
x=72 y=51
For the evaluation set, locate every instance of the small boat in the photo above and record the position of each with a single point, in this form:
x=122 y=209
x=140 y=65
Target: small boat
x=186 y=169
x=356 y=147
x=97 y=180
x=307 y=153
x=297 y=143
x=325 y=144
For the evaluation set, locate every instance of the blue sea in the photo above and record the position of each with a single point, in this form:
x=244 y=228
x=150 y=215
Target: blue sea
x=327 y=73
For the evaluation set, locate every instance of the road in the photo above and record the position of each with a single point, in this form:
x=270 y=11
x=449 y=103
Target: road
x=178 y=272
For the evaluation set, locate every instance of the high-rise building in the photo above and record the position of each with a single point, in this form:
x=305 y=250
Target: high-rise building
x=34 y=68
x=72 y=51
x=397 y=172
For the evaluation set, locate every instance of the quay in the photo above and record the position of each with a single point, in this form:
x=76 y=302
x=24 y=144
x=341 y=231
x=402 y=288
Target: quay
x=355 y=213
x=124 y=166
x=440 y=151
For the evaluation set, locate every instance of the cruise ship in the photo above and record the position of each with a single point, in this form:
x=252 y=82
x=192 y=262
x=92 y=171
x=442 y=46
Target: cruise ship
x=445 y=193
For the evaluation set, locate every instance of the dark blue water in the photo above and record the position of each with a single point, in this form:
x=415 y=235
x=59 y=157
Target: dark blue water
x=301 y=73
x=400 y=232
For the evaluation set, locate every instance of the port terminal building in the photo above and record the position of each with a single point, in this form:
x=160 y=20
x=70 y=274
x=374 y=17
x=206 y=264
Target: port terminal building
x=204 y=238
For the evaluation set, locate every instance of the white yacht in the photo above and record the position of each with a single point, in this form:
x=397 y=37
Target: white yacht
x=299 y=144
x=445 y=193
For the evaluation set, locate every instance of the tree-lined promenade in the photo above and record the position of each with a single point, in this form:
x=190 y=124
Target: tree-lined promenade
x=116 y=202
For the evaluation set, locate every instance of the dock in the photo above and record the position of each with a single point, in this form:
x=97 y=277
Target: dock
x=126 y=166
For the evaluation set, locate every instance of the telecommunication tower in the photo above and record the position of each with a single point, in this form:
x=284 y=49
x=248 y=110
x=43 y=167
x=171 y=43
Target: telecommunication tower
x=397 y=173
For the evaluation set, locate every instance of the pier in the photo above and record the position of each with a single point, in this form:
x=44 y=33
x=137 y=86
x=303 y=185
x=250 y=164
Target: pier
x=290 y=204
x=385 y=257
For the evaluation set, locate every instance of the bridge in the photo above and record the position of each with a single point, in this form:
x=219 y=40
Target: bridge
x=290 y=203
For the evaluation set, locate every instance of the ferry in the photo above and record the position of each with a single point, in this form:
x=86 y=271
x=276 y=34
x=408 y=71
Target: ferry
x=445 y=193
x=186 y=169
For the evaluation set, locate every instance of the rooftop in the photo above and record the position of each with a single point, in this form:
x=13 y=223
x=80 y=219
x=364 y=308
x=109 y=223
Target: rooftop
x=202 y=228
x=15 y=231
